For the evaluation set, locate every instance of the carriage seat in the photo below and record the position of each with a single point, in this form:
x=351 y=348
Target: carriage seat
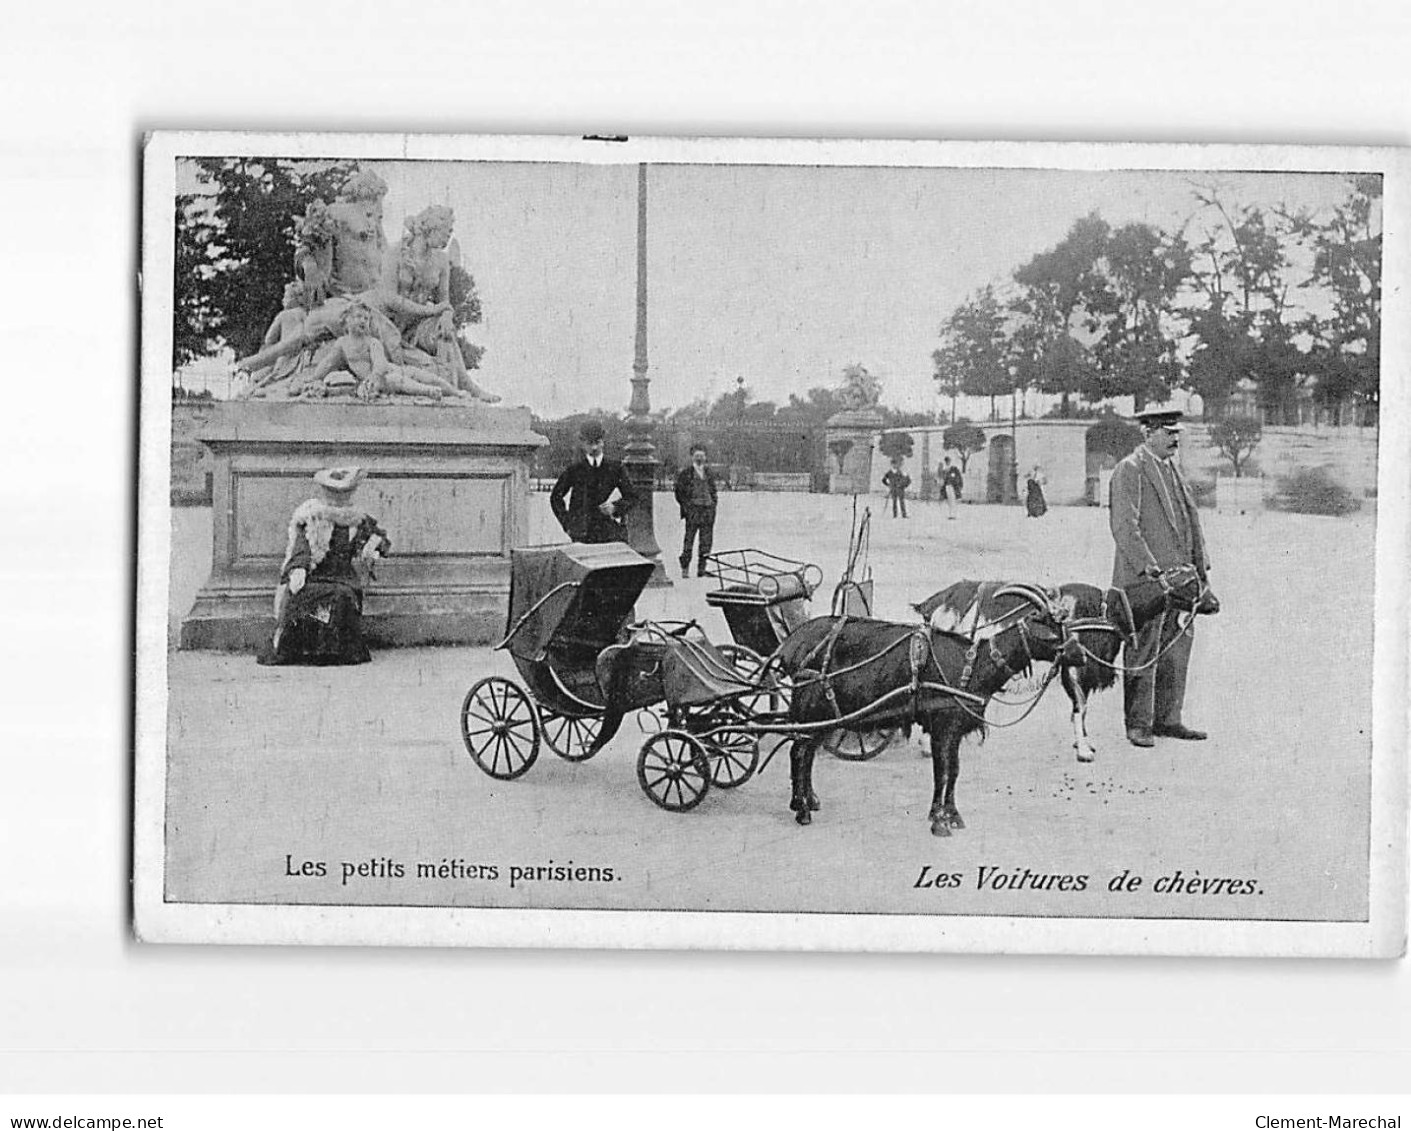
x=769 y=591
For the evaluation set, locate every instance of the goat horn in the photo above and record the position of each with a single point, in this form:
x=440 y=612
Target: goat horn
x=1031 y=593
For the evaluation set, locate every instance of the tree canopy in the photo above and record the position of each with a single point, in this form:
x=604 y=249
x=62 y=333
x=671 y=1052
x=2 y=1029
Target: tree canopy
x=1242 y=296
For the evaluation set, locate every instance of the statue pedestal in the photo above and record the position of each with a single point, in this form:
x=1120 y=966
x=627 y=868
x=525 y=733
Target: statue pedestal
x=859 y=427
x=449 y=485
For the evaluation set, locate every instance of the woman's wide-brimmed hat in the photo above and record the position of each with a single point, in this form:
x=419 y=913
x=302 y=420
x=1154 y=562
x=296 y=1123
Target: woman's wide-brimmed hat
x=340 y=480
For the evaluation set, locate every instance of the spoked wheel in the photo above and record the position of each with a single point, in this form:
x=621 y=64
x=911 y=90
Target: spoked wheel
x=851 y=746
x=733 y=759
x=571 y=739
x=674 y=771
x=500 y=728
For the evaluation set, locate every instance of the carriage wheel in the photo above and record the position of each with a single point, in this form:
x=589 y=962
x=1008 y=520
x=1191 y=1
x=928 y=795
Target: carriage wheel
x=851 y=746
x=571 y=739
x=500 y=728
x=673 y=770
x=733 y=759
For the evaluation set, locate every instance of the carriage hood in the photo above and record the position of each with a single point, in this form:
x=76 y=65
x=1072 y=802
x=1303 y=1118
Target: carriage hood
x=572 y=592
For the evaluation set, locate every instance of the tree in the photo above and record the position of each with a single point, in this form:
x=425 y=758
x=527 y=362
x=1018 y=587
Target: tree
x=1063 y=292
x=974 y=354
x=1113 y=436
x=964 y=438
x=1246 y=328
x=192 y=315
x=1347 y=262
x=1137 y=353
x=1236 y=437
x=465 y=310
x=815 y=407
x=235 y=255
x=896 y=445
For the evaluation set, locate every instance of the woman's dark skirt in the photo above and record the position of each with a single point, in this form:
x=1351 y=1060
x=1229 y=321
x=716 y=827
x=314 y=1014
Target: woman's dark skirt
x=1034 y=501
x=322 y=624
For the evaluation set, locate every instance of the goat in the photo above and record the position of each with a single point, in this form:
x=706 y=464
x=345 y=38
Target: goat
x=1103 y=622
x=864 y=675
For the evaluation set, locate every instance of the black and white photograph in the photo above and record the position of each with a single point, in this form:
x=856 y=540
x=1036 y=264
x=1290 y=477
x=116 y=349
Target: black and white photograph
x=844 y=545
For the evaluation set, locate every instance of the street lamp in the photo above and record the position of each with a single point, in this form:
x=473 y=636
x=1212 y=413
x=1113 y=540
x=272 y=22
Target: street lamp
x=1013 y=435
x=639 y=453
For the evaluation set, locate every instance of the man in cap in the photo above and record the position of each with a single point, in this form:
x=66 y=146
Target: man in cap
x=593 y=493
x=698 y=497
x=1155 y=525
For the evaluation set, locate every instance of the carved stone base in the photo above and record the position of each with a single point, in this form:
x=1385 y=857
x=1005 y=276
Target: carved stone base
x=450 y=486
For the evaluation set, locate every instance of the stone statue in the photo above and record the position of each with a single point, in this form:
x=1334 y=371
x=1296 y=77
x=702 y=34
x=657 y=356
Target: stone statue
x=287 y=349
x=341 y=260
x=359 y=244
x=357 y=361
x=416 y=295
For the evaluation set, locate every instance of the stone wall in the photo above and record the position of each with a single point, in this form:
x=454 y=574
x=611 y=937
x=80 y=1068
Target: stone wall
x=1059 y=447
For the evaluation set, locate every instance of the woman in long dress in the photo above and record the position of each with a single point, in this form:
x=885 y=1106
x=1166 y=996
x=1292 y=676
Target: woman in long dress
x=1034 y=501
x=319 y=604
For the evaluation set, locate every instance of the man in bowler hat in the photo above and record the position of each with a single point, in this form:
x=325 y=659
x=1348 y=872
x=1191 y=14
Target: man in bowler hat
x=593 y=493
x=1156 y=528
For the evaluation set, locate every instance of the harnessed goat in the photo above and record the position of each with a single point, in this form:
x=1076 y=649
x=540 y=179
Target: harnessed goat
x=864 y=675
x=1104 y=623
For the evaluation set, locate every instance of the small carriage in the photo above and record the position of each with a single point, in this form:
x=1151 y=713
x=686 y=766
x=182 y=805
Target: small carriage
x=763 y=597
x=586 y=665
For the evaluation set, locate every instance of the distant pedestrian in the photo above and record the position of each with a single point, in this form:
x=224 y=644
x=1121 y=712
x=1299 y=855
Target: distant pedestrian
x=1034 y=501
x=697 y=496
x=952 y=484
x=896 y=482
x=593 y=493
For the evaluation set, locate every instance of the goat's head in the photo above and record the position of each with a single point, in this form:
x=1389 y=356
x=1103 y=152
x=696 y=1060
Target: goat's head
x=1046 y=626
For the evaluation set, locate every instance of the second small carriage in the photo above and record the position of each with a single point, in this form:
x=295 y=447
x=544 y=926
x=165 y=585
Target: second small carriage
x=765 y=597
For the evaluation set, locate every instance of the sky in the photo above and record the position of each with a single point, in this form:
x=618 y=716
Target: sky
x=782 y=275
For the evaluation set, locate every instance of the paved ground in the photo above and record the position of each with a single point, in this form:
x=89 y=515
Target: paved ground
x=271 y=767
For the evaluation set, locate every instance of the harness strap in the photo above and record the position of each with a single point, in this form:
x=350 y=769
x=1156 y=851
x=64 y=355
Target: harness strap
x=919 y=650
x=829 y=643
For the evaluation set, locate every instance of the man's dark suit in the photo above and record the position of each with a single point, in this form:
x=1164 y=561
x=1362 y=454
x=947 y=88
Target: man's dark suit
x=585 y=489
x=1156 y=527
x=697 y=496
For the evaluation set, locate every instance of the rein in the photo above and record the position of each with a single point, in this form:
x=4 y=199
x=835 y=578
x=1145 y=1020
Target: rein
x=1189 y=616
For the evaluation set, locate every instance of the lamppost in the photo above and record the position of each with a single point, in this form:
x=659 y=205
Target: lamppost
x=1013 y=436
x=639 y=453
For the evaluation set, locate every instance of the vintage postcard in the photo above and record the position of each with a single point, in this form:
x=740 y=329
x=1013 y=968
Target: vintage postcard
x=605 y=542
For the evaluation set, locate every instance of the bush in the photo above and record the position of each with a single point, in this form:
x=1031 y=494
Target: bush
x=1313 y=490
x=896 y=444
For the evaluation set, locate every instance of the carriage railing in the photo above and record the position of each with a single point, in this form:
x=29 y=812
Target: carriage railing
x=768 y=575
